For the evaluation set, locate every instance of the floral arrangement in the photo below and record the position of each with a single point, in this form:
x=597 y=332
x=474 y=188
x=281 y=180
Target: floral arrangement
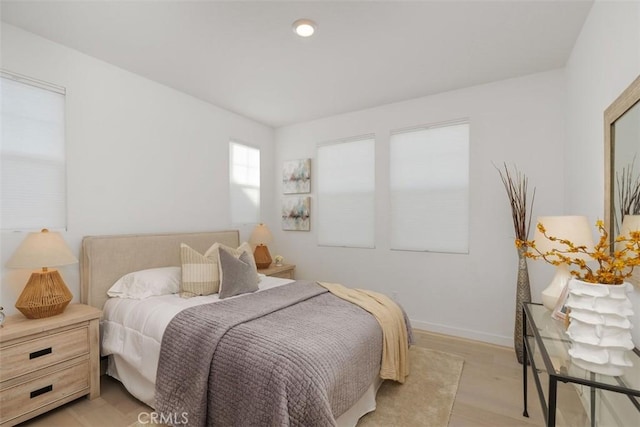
x=613 y=266
x=278 y=259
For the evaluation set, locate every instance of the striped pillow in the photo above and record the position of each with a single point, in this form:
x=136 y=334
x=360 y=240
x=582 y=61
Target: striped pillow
x=200 y=274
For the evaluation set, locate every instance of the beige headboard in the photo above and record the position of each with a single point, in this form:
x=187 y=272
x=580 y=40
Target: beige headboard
x=105 y=259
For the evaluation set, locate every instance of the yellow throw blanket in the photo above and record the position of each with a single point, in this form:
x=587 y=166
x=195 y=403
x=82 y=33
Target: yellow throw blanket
x=395 y=356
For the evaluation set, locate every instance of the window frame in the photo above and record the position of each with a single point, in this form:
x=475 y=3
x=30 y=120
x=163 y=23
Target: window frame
x=435 y=125
x=363 y=137
x=234 y=141
x=57 y=89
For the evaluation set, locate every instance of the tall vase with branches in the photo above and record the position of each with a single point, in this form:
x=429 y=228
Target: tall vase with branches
x=516 y=184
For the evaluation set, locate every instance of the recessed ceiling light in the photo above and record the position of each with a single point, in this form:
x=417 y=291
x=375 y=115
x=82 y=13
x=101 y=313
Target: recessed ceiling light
x=304 y=27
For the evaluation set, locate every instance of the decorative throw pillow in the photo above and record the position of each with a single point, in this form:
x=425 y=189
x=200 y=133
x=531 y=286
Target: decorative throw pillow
x=200 y=275
x=239 y=275
x=243 y=248
x=146 y=283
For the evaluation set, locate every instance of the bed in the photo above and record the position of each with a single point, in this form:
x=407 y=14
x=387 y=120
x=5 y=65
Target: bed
x=133 y=330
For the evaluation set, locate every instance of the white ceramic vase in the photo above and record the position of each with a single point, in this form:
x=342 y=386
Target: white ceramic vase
x=600 y=330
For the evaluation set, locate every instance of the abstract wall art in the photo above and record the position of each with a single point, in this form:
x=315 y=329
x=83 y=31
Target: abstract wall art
x=296 y=176
x=296 y=213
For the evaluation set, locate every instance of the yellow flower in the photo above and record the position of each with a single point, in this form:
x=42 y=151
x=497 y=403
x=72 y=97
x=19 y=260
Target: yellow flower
x=613 y=266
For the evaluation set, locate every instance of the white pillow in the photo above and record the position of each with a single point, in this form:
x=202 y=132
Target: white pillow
x=146 y=283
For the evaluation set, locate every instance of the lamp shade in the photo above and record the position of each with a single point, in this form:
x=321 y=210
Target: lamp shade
x=629 y=223
x=575 y=229
x=42 y=249
x=261 y=235
x=572 y=228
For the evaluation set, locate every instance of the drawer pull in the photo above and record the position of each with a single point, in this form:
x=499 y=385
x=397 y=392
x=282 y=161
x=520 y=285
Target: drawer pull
x=39 y=353
x=40 y=391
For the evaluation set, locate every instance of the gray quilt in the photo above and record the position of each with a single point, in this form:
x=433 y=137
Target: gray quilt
x=294 y=355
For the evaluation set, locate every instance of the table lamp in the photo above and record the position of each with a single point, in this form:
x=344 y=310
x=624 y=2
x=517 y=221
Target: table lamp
x=260 y=237
x=629 y=223
x=572 y=228
x=45 y=294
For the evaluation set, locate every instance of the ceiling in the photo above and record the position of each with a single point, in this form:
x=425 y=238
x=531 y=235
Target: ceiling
x=244 y=57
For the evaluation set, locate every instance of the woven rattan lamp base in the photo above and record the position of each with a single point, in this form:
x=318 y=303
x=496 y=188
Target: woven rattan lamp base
x=44 y=295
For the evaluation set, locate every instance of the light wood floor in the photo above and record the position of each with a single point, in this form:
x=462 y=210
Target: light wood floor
x=489 y=394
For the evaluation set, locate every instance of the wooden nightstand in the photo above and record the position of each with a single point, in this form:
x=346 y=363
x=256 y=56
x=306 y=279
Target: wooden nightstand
x=286 y=271
x=45 y=363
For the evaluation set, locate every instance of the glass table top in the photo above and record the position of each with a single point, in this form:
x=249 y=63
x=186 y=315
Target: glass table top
x=549 y=334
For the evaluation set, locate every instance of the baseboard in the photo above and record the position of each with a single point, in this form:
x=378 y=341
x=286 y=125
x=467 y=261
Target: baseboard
x=463 y=333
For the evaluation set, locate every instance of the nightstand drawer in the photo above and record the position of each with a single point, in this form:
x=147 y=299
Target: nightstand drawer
x=26 y=397
x=29 y=356
x=283 y=274
x=285 y=271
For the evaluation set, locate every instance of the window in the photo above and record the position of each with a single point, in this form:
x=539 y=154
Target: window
x=429 y=179
x=346 y=193
x=244 y=178
x=32 y=154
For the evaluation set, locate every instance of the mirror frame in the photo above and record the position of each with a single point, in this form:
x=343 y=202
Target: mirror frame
x=622 y=104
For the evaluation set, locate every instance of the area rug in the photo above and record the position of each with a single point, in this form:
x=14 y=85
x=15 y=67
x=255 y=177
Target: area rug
x=425 y=399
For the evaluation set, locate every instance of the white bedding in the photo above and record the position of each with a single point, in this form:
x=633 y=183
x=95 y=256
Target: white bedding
x=132 y=329
x=132 y=334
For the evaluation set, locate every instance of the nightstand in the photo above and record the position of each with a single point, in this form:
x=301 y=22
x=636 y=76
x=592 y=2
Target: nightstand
x=45 y=363
x=286 y=271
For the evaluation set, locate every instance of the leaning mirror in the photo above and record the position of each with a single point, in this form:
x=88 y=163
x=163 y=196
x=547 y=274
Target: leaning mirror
x=622 y=161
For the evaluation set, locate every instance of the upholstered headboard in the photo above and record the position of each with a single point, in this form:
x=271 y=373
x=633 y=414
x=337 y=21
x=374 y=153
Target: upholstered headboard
x=105 y=259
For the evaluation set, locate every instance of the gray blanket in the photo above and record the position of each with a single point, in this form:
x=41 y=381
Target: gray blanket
x=294 y=355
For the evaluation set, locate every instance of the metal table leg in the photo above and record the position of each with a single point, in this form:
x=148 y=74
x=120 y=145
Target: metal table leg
x=592 y=404
x=553 y=393
x=525 y=362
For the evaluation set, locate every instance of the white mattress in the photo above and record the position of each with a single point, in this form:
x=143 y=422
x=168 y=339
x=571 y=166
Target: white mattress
x=132 y=333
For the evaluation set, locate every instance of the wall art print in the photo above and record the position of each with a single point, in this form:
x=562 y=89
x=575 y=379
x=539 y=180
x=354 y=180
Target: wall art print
x=296 y=213
x=296 y=176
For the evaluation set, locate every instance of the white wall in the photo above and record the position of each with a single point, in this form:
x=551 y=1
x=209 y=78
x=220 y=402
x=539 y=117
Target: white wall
x=519 y=121
x=141 y=157
x=145 y=158
x=604 y=61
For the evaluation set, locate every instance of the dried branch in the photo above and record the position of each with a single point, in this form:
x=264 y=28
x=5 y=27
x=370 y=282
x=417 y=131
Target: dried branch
x=516 y=185
x=628 y=185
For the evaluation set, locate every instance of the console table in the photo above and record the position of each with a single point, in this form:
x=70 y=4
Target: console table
x=547 y=345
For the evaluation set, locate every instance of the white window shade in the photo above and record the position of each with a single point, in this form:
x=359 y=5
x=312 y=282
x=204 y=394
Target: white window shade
x=429 y=179
x=33 y=165
x=346 y=193
x=244 y=179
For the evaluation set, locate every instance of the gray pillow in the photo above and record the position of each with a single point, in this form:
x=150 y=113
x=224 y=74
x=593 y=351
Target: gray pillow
x=238 y=275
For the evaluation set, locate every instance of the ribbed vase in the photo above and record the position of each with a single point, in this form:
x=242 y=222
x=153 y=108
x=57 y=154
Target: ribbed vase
x=523 y=294
x=600 y=330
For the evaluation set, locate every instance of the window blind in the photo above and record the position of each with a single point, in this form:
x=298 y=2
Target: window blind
x=346 y=193
x=429 y=180
x=32 y=155
x=244 y=179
